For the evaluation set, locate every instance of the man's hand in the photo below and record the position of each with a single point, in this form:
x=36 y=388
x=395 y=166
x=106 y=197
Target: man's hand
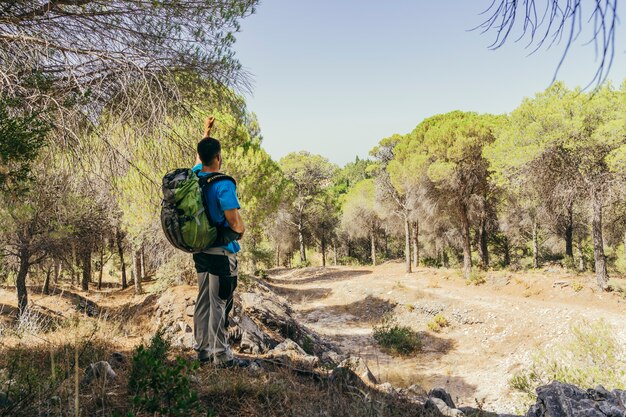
x=235 y=221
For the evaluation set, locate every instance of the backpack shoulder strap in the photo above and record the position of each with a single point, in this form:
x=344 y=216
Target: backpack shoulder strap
x=216 y=177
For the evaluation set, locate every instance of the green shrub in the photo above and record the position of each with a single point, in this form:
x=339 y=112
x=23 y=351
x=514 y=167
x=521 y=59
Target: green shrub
x=476 y=278
x=438 y=323
x=431 y=262
x=348 y=261
x=160 y=386
x=399 y=340
x=577 y=286
x=592 y=357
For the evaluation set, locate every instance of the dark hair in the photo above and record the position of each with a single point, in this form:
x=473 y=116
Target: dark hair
x=208 y=149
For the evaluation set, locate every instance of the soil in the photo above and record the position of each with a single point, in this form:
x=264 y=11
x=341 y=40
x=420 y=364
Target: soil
x=495 y=328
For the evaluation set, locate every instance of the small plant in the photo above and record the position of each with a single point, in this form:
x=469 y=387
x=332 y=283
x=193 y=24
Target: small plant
x=438 y=323
x=399 y=340
x=159 y=386
x=577 y=286
x=593 y=356
x=307 y=345
x=476 y=278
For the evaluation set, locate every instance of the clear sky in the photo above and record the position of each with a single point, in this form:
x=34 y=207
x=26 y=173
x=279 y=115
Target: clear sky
x=334 y=77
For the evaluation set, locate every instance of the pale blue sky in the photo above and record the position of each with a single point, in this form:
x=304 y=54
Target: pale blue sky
x=334 y=77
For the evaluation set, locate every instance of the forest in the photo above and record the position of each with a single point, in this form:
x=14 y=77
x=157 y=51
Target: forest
x=340 y=265
x=543 y=184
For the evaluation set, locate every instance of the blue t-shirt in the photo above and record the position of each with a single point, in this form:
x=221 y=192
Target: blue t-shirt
x=220 y=196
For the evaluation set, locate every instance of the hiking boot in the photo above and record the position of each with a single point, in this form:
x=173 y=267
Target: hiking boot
x=233 y=363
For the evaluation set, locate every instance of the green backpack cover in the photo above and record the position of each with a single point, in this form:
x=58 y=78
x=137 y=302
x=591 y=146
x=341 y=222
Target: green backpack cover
x=184 y=216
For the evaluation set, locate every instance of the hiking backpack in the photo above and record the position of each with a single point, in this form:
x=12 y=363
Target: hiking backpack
x=185 y=216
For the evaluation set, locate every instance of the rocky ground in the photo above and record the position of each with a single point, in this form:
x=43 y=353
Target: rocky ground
x=495 y=327
x=318 y=322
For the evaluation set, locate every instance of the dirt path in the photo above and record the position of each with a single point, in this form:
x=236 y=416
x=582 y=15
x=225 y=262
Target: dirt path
x=494 y=329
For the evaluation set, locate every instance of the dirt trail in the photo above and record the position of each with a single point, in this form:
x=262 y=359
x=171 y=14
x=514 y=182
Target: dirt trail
x=495 y=327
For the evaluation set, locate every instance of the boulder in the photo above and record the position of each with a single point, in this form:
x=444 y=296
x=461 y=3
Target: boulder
x=436 y=405
x=290 y=352
x=99 y=370
x=558 y=399
x=356 y=366
x=443 y=395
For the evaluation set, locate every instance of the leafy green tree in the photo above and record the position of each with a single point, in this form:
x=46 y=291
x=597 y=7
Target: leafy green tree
x=361 y=214
x=22 y=134
x=566 y=142
x=309 y=175
x=448 y=149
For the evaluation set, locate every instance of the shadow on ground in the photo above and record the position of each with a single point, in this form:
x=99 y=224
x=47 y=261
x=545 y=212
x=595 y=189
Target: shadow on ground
x=300 y=295
x=368 y=310
x=307 y=276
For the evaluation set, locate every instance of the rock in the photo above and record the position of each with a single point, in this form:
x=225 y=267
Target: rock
x=252 y=337
x=442 y=395
x=254 y=369
x=564 y=400
x=358 y=367
x=190 y=302
x=292 y=352
x=435 y=405
x=117 y=359
x=190 y=310
x=331 y=358
x=98 y=370
x=4 y=400
x=560 y=284
x=184 y=327
x=386 y=388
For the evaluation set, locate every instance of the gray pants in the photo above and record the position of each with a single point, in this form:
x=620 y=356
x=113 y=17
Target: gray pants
x=217 y=279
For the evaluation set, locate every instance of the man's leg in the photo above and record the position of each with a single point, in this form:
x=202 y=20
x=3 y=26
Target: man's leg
x=201 y=318
x=219 y=294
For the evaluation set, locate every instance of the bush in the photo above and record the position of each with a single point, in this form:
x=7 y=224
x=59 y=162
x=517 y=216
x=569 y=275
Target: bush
x=438 y=323
x=399 y=340
x=592 y=357
x=476 y=278
x=577 y=286
x=348 y=261
x=159 y=386
x=431 y=262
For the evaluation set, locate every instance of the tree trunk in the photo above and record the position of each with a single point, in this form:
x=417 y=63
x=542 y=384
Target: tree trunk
x=467 y=248
x=277 y=256
x=120 y=251
x=301 y=240
x=373 y=246
x=581 y=257
x=86 y=267
x=569 y=232
x=323 y=244
x=334 y=252
x=507 y=251
x=483 y=243
x=386 y=241
x=46 y=283
x=57 y=272
x=101 y=268
x=407 y=243
x=137 y=272
x=535 y=244
x=416 y=248
x=143 y=263
x=20 y=282
x=598 y=244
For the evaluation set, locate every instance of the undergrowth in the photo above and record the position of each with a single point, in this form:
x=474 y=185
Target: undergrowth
x=592 y=356
x=396 y=339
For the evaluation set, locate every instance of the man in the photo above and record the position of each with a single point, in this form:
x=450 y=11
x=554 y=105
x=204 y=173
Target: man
x=216 y=267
